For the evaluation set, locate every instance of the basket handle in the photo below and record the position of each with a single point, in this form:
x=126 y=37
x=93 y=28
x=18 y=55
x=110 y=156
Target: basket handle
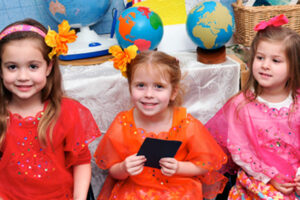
x=239 y=2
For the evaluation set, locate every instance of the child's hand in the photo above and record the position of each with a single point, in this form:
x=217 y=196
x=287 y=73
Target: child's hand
x=134 y=164
x=297 y=188
x=169 y=166
x=284 y=188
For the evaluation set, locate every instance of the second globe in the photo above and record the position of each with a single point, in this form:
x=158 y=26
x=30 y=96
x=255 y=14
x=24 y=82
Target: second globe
x=210 y=26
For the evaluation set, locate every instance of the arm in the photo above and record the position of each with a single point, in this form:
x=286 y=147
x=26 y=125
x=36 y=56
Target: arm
x=284 y=188
x=297 y=187
x=170 y=167
x=297 y=182
x=132 y=165
x=82 y=178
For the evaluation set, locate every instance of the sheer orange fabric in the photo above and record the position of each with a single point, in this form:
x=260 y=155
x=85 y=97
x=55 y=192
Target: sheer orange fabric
x=198 y=146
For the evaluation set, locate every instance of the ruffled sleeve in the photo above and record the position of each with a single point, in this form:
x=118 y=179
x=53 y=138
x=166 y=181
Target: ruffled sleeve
x=80 y=130
x=218 y=128
x=111 y=148
x=207 y=154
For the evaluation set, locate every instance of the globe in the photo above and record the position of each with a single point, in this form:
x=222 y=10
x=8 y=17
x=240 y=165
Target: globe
x=78 y=12
x=210 y=25
x=139 y=26
x=81 y=14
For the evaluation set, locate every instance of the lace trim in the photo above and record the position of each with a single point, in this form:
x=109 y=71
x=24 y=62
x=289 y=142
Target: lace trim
x=256 y=164
x=283 y=112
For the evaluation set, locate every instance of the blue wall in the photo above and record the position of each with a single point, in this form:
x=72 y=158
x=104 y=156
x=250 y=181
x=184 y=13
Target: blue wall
x=14 y=10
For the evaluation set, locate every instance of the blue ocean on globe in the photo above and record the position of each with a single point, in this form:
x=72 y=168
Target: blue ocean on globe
x=210 y=25
x=78 y=12
x=139 y=26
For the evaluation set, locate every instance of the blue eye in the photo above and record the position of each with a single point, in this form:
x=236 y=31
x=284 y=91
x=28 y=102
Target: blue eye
x=276 y=61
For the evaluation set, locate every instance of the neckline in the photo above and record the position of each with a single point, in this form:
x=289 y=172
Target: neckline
x=28 y=121
x=278 y=105
x=179 y=113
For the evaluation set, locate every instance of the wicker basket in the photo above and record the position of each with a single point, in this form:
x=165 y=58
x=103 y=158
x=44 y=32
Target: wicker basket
x=246 y=17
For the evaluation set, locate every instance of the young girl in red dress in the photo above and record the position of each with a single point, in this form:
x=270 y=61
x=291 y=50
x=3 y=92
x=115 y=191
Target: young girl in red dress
x=154 y=84
x=43 y=136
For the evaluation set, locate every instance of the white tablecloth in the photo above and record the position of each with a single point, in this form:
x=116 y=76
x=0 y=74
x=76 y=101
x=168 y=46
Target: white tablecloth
x=105 y=92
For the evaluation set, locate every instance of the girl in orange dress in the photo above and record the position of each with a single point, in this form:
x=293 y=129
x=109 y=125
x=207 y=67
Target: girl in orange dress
x=154 y=80
x=43 y=135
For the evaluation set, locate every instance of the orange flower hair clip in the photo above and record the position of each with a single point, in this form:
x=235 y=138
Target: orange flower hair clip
x=58 y=41
x=275 y=21
x=122 y=58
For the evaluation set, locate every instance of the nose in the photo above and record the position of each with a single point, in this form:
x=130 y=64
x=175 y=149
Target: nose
x=149 y=92
x=23 y=74
x=266 y=64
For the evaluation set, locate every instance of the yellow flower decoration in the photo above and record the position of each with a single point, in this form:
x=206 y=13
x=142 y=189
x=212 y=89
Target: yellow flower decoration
x=122 y=58
x=58 y=41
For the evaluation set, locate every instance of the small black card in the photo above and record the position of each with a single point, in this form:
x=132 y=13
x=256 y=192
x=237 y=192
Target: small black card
x=155 y=149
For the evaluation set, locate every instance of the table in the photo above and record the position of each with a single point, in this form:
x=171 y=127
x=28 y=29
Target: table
x=105 y=92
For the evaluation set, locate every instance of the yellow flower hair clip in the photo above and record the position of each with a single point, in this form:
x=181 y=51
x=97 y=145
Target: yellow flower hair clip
x=58 y=41
x=122 y=58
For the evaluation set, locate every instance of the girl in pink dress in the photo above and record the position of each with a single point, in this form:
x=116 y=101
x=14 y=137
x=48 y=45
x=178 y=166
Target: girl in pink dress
x=43 y=135
x=259 y=127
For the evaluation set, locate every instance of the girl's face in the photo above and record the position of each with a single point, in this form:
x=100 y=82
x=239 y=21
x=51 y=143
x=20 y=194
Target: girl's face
x=270 y=66
x=151 y=92
x=24 y=70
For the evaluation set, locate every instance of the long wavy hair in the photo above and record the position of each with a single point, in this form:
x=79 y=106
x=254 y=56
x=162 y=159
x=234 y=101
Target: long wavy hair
x=291 y=44
x=165 y=64
x=52 y=92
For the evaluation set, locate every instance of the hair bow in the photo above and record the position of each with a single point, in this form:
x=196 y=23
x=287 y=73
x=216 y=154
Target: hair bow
x=122 y=58
x=275 y=21
x=58 y=41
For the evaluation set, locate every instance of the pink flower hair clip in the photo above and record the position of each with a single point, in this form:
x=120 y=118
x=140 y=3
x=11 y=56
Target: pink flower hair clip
x=275 y=21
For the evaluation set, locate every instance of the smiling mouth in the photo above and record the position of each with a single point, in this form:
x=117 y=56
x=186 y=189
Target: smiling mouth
x=265 y=75
x=148 y=104
x=23 y=87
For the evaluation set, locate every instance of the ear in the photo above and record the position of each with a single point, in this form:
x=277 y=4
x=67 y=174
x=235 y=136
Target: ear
x=174 y=93
x=49 y=68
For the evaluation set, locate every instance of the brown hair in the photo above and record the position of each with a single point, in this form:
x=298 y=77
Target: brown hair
x=291 y=43
x=52 y=91
x=166 y=64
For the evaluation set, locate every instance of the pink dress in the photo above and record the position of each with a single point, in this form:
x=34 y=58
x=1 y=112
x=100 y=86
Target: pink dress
x=30 y=171
x=263 y=141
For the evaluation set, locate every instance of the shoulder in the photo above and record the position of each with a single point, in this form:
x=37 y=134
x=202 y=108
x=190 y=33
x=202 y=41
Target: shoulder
x=185 y=119
x=237 y=99
x=68 y=103
x=73 y=108
x=125 y=116
x=65 y=101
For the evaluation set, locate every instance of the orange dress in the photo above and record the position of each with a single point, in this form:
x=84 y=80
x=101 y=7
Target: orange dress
x=198 y=146
x=30 y=171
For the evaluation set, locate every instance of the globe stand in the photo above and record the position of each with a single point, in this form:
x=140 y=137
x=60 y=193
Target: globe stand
x=213 y=56
x=88 y=44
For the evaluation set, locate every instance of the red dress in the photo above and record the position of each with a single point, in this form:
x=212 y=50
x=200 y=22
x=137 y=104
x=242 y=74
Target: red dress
x=31 y=171
x=198 y=146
